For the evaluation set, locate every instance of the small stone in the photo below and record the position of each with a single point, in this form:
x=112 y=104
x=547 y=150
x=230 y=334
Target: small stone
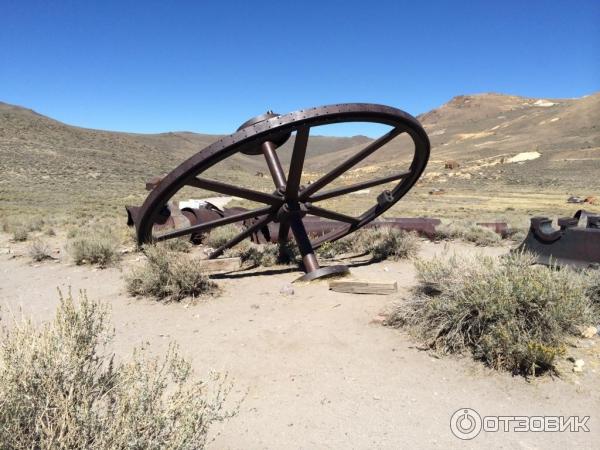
x=577 y=369
x=579 y=363
x=286 y=289
x=379 y=319
x=589 y=332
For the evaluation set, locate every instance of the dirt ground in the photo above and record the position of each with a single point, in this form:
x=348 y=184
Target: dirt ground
x=316 y=370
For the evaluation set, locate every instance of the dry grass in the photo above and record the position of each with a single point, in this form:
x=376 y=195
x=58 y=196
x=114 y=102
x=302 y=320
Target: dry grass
x=389 y=243
x=94 y=246
x=169 y=275
x=39 y=250
x=381 y=243
x=61 y=388
x=220 y=235
x=265 y=255
x=509 y=313
x=331 y=250
x=181 y=245
x=467 y=232
x=20 y=234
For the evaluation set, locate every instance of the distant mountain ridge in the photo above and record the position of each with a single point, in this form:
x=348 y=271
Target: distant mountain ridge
x=40 y=152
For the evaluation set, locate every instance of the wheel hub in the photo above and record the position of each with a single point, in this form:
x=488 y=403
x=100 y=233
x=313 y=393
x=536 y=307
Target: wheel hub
x=264 y=134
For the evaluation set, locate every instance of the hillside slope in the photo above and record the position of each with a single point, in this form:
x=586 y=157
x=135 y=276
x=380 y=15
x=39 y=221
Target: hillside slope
x=51 y=166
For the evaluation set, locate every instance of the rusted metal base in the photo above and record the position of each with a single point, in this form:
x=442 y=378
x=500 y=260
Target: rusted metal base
x=570 y=245
x=324 y=272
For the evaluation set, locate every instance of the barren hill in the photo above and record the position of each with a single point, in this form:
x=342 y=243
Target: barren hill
x=497 y=139
x=479 y=131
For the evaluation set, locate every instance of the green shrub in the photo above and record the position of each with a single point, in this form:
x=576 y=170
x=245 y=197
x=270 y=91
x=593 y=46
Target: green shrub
x=507 y=312
x=39 y=250
x=95 y=247
x=169 y=275
x=60 y=388
x=467 y=232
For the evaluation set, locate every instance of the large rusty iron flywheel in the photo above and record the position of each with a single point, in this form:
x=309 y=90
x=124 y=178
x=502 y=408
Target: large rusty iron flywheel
x=290 y=204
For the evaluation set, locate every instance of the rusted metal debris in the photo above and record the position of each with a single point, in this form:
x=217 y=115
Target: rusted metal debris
x=290 y=202
x=316 y=227
x=575 y=243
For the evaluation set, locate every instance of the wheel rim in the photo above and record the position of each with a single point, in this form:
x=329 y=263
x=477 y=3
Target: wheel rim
x=290 y=203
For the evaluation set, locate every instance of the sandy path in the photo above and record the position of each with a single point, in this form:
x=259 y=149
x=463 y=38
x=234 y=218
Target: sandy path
x=317 y=372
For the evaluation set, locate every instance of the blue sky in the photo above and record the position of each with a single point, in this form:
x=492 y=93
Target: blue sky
x=207 y=66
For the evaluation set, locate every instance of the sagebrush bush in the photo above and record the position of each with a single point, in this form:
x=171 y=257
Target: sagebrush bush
x=593 y=286
x=220 y=235
x=94 y=247
x=182 y=245
x=169 y=275
x=265 y=255
x=389 y=243
x=20 y=234
x=507 y=312
x=39 y=250
x=60 y=388
x=468 y=232
x=330 y=250
x=381 y=243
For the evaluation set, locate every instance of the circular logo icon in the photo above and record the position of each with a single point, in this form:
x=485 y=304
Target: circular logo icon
x=465 y=423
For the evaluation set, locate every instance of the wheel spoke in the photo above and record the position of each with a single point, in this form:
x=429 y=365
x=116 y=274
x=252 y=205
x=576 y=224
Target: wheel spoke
x=336 y=172
x=213 y=224
x=327 y=214
x=284 y=231
x=240 y=237
x=297 y=163
x=227 y=189
x=357 y=187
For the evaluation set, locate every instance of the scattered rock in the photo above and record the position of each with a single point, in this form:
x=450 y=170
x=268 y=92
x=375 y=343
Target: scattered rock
x=543 y=103
x=437 y=191
x=379 y=319
x=588 y=332
x=578 y=366
x=574 y=199
x=286 y=289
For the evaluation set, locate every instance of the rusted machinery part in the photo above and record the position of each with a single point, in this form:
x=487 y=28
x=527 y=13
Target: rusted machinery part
x=317 y=227
x=571 y=244
x=290 y=202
